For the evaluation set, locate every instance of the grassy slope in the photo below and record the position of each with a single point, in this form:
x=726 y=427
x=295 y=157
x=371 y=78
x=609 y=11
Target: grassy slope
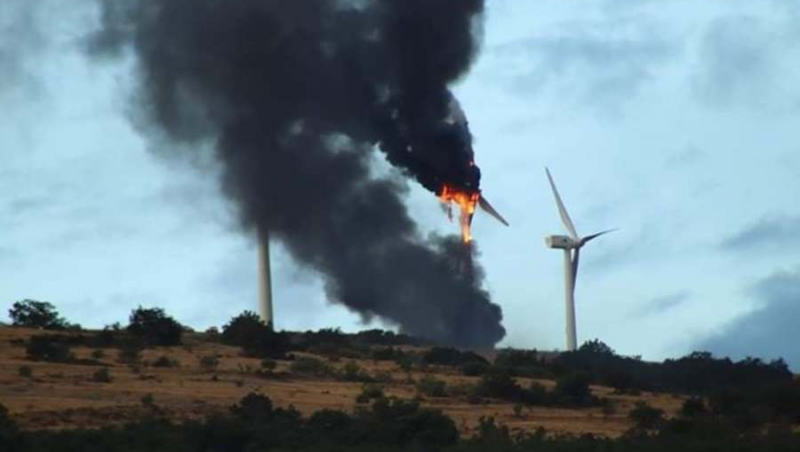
x=64 y=395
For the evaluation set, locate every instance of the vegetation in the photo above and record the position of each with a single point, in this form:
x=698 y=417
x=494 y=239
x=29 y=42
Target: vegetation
x=102 y=376
x=308 y=366
x=48 y=348
x=37 y=314
x=256 y=339
x=153 y=327
x=165 y=361
x=25 y=371
x=209 y=363
x=386 y=425
x=432 y=387
x=447 y=356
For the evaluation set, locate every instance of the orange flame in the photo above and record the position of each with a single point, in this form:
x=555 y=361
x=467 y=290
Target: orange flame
x=467 y=202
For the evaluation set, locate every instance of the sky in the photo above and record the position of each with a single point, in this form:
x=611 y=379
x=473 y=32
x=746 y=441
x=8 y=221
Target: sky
x=673 y=121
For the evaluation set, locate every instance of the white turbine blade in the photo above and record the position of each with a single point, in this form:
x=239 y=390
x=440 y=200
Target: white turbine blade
x=589 y=238
x=561 y=209
x=487 y=207
x=575 y=260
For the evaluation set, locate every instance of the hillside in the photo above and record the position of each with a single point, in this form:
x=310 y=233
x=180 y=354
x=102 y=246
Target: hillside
x=202 y=377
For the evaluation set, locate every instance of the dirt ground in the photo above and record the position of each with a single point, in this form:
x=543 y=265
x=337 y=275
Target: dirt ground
x=64 y=396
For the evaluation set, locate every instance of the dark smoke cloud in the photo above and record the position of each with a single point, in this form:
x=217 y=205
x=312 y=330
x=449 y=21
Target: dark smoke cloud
x=295 y=95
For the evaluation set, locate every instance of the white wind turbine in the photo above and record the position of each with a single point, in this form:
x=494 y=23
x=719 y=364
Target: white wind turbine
x=571 y=245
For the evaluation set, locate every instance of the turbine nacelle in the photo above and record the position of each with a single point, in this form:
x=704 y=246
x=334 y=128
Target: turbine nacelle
x=561 y=242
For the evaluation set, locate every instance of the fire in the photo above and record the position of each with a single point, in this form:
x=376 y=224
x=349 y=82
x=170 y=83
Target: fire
x=467 y=203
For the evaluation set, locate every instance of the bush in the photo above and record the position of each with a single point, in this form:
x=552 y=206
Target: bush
x=352 y=372
x=154 y=328
x=209 y=363
x=253 y=407
x=310 y=366
x=9 y=433
x=256 y=339
x=25 y=371
x=268 y=365
x=446 y=356
x=370 y=392
x=693 y=407
x=49 y=348
x=573 y=389
x=36 y=314
x=499 y=385
x=474 y=369
x=102 y=376
x=131 y=354
x=432 y=387
x=148 y=401
x=98 y=355
x=165 y=361
x=646 y=417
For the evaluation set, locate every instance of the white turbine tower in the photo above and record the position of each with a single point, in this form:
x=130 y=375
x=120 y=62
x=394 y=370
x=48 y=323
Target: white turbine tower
x=264 y=280
x=571 y=245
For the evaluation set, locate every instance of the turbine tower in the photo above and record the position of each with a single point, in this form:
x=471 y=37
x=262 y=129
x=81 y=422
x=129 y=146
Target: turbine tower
x=264 y=279
x=571 y=245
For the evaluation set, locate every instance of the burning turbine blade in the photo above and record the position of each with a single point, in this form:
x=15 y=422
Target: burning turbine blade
x=487 y=207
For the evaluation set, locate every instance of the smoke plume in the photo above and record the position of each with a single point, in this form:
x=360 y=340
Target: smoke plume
x=296 y=95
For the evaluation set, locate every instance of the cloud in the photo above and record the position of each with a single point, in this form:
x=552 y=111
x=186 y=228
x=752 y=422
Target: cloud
x=598 y=67
x=662 y=304
x=771 y=234
x=747 y=61
x=770 y=331
x=21 y=41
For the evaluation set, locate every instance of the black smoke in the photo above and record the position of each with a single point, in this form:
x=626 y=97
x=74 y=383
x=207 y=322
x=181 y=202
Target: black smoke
x=295 y=95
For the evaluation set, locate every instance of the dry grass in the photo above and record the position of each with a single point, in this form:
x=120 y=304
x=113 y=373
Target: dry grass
x=63 y=396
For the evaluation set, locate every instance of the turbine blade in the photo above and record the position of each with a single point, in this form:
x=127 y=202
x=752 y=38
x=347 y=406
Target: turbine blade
x=589 y=238
x=575 y=260
x=487 y=207
x=561 y=209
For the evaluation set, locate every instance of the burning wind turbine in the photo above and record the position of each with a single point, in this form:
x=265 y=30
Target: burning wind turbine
x=468 y=199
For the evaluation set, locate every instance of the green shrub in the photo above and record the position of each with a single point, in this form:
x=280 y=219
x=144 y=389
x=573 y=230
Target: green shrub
x=148 y=400
x=310 y=367
x=268 y=365
x=693 y=407
x=646 y=417
x=102 y=376
x=130 y=353
x=499 y=385
x=254 y=337
x=432 y=387
x=352 y=372
x=573 y=389
x=446 y=356
x=370 y=392
x=25 y=371
x=209 y=363
x=474 y=369
x=49 y=348
x=165 y=361
x=154 y=328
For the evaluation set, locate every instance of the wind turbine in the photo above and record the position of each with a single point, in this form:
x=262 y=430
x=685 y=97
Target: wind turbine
x=571 y=245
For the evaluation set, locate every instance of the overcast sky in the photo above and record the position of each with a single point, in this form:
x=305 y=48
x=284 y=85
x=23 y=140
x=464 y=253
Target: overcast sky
x=676 y=121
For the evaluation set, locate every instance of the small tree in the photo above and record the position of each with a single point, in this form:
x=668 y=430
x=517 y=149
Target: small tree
x=36 y=314
x=48 y=348
x=154 y=327
x=646 y=417
x=256 y=339
x=573 y=389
